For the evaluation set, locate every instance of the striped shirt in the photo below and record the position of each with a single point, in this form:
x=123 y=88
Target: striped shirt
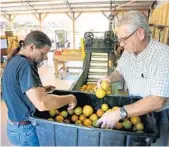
x=148 y=72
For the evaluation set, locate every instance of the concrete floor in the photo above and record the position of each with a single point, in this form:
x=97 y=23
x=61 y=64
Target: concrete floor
x=47 y=76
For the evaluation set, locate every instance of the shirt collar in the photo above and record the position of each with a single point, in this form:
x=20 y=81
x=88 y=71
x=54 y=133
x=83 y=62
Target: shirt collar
x=143 y=54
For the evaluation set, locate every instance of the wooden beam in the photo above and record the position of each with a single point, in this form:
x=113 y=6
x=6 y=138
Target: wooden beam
x=68 y=5
x=105 y=14
x=74 y=30
x=71 y=3
x=78 y=11
x=18 y=2
x=31 y=6
x=10 y=17
x=73 y=18
x=78 y=15
x=40 y=18
x=68 y=15
x=45 y=15
x=73 y=25
x=126 y=4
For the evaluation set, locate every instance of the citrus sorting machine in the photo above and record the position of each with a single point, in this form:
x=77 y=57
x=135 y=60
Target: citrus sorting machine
x=99 y=58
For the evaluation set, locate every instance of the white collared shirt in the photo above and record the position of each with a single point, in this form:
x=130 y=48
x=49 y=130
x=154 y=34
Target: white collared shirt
x=148 y=72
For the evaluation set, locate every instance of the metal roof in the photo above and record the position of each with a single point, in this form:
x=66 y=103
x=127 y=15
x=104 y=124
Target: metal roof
x=20 y=7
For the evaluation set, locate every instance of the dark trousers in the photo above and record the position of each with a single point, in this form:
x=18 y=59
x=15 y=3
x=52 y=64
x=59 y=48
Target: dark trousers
x=163 y=140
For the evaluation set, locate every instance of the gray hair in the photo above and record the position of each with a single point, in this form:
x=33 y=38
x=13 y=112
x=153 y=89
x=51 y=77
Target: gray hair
x=135 y=20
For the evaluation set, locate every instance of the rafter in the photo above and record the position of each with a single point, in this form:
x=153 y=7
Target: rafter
x=31 y=6
x=69 y=6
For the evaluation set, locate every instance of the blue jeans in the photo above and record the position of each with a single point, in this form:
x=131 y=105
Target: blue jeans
x=24 y=135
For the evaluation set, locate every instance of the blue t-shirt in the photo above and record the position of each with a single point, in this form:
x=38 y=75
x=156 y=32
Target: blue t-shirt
x=19 y=75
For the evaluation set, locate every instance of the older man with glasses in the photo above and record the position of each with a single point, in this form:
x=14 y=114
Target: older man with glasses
x=144 y=65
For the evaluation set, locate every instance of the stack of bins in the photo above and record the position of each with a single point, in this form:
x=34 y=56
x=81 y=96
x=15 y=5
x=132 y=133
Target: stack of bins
x=52 y=133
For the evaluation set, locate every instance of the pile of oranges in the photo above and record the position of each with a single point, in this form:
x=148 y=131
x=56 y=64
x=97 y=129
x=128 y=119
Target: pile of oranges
x=80 y=115
x=101 y=92
x=87 y=116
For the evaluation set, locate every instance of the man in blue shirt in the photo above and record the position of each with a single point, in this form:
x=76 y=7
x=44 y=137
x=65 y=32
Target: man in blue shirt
x=23 y=91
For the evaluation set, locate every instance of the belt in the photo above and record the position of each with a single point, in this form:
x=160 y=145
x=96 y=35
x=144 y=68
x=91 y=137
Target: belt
x=21 y=123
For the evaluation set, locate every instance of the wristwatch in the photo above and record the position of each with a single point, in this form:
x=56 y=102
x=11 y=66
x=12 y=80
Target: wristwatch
x=123 y=113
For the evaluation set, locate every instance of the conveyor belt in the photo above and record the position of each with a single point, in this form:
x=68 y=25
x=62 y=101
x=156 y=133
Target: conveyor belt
x=98 y=67
x=99 y=62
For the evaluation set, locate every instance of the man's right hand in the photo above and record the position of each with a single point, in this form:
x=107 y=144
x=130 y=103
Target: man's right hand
x=73 y=102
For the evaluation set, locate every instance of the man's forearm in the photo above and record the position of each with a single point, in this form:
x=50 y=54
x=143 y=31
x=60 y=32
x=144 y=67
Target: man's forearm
x=145 y=105
x=115 y=76
x=55 y=101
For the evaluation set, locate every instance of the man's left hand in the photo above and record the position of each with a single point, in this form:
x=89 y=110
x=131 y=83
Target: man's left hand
x=49 y=88
x=109 y=119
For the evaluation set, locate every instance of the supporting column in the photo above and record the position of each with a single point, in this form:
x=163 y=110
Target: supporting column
x=40 y=18
x=10 y=19
x=74 y=31
x=73 y=18
x=109 y=18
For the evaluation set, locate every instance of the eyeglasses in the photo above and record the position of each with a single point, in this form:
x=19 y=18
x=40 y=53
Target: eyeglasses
x=123 y=40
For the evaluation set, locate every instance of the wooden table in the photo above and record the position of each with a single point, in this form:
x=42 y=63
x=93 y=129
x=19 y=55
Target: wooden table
x=64 y=57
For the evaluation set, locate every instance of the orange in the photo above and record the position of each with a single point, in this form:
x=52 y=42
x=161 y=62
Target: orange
x=78 y=122
x=139 y=127
x=100 y=112
x=108 y=92
x=87 y=122
x=82 y=117
x=74 y=118
x=50 y=119
x=135 y=120
x=118 y=125
x=53 y=112
x=64 y=114
x=78 y=110
x=127 y=124
x=59 y=118
x=93 y=117
x=104 y=107
x=115 y=108
x=100 y=93
x=87 y=110
x=105 y=84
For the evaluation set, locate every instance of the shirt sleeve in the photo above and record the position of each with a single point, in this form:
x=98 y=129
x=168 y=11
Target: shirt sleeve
x=160 y=81
x=29 y=77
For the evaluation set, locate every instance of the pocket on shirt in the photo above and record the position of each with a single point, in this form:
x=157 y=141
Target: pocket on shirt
x=145 y=74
